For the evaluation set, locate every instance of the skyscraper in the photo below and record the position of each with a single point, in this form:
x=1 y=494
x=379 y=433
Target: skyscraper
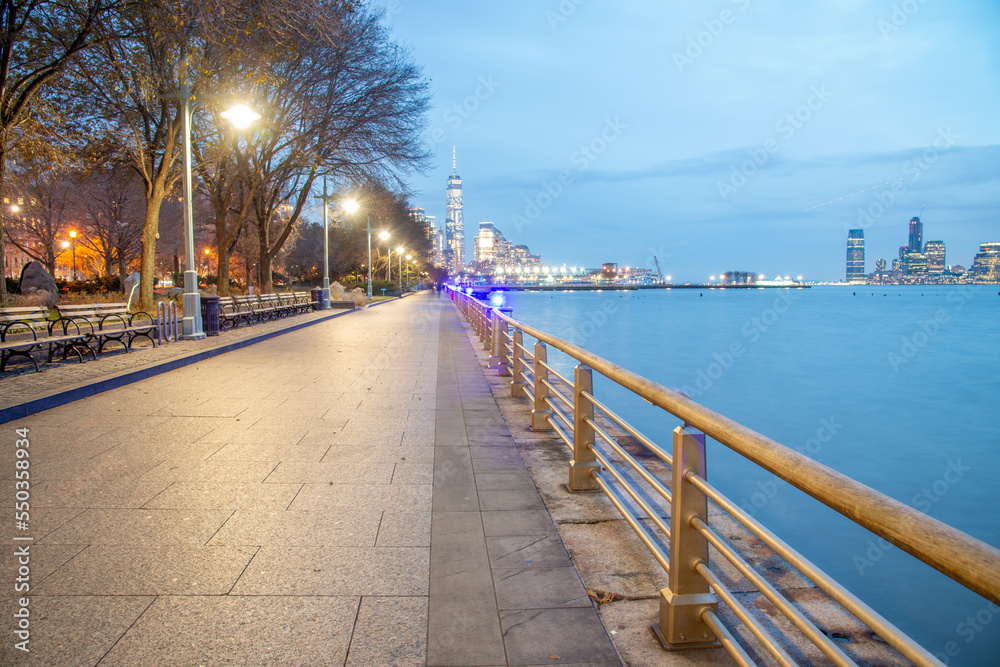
x=935 y=252
x=454 y=226
x=916 y=243
x=856 y=256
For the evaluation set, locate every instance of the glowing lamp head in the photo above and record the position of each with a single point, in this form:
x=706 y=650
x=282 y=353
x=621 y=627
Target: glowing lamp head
x=383 y=235
x=72 y=234
x=351 y=206
x=497 y=299
x=241 y=116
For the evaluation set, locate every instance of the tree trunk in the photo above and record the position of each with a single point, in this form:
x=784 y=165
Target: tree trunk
x=222 y=255
x=264 y=263
x=3 y=221
x=147 y=261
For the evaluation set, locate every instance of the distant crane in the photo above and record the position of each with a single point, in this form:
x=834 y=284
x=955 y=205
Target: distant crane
x=658 y=271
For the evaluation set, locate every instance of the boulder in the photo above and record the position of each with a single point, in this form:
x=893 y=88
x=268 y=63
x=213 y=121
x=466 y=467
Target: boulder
x=36 y=281
x=131 y=281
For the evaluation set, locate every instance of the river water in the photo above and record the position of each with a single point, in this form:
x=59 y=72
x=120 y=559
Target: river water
x=897 y=387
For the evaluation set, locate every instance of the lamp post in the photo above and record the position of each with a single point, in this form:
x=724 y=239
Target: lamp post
x=326 y=243
x=241 y=117
x=351 y=206
x=408 y=269
x=72 y=235
x=385 y=237
x=399 y=256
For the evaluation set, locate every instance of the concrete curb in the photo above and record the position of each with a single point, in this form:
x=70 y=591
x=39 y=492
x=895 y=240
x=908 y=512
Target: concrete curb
x=21 y=410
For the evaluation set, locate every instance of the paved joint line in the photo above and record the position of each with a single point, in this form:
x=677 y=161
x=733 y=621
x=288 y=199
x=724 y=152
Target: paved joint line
x=208 y=542
x=245 y=568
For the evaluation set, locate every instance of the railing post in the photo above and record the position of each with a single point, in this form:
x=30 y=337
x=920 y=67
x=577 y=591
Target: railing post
x=517 y=381
x=687 y=595
x=494 y=337
x=541 y=412
x=503 y=346
x=584 y=463
x=486 y=317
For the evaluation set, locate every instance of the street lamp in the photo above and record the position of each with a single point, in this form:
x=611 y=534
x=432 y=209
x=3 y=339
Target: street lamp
x=241 y=117
x=326 y=244
x=72 y=235
x=351 y=206
x=385 y=237
x=399 y=256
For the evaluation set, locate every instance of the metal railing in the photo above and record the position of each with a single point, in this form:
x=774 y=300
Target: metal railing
x=688 y=614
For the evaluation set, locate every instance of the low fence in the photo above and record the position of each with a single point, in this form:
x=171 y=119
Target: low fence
x=681 y=532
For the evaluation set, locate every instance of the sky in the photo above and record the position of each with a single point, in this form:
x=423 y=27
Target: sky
x=723 y=135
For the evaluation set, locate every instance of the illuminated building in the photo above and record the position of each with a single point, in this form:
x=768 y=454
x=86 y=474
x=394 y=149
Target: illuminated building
x=916 y=235
x=986 y=265
x=856 y=256
x=454 y=225
x=935 y=252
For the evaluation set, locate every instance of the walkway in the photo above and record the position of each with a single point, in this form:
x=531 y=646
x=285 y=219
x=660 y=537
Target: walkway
x=345 y=494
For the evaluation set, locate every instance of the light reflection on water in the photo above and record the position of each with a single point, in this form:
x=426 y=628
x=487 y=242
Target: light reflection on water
x=896 y=387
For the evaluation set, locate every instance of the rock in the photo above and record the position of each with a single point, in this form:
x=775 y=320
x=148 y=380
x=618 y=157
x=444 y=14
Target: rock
x=35 y=280
x=131 y=281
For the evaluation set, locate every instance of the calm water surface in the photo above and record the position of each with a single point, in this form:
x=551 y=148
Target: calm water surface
x=897 y=387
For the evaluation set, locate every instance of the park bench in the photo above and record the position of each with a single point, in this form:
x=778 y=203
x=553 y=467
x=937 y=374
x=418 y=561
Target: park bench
x=231 y=313
x=107 y=322
x=298 y=302
x=24 y=329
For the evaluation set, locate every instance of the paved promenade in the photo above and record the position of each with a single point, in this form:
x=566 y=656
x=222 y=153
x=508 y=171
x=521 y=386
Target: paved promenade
x=344 y=494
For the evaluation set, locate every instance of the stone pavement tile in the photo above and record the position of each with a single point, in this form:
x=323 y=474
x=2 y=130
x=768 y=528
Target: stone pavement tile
x=534 y=636
x=238 y=630
x=530 y=522
x=498 y=465
x=186 y=495
x=44 y=560
x=269 y=452
x=413 y=473
x=218 y=472
x=506 y=500
x=154 y=570
x=170 y=431
x=139 y=527
x=301 y=528
x=85 y=494
x=384 y=436
x=539 y=588
x=342 y=453
x=389 y=632
x=332 y=473
x=496 y=452
x=71 y=630
x=242 y=433
x=504 y=481
x=454 y=481
x=520 y=551
x=338 y=497
x=462 y=600
x=401 y=528
x=419 y=435
x=336 y=571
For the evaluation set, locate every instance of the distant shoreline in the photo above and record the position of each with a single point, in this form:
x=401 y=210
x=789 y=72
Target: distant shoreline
x=615 y=288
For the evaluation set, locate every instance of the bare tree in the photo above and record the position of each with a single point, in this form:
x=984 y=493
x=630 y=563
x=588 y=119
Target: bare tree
x=38 y=38
x=350 y=105
x=110 y=195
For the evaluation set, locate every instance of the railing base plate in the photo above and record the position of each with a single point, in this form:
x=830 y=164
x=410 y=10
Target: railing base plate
x=685 y=646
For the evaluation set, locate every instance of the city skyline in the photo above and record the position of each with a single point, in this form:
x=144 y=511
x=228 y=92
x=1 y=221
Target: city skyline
x=761 y=146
